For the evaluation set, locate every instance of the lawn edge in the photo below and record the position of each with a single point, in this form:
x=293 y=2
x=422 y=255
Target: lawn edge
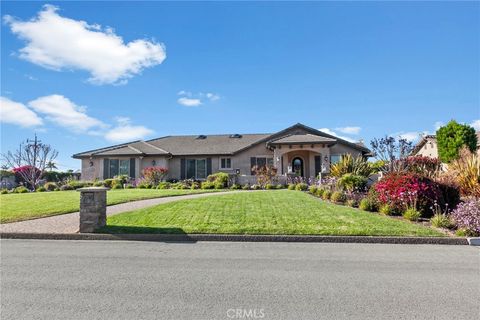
x=237 y=238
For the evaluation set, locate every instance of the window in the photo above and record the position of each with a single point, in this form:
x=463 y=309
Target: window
x=335 y=158
x=260 y=162
x=113 y=167
x=264 y=161
x=118 y=167
x=124 y=167
x=225 y=163
x=201 y=169
x=196 y=169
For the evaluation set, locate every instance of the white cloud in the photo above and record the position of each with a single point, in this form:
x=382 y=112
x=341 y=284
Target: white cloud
x=189 y=99
x=18 y=114
x=333 y=133
x=476 y=124
x=65 y=113
x=58 y=43
x=125 y=132
x=410 y=136
x=349 y=130
x=212 y=96
x=189 y=102
x=438 y=124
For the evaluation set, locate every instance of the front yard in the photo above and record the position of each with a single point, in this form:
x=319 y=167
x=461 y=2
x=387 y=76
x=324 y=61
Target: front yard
x=25 y=206
x=264 y=212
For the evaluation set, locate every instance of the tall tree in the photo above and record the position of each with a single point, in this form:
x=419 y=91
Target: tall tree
x=452 y=137
x=390 y=151
x=30 y=160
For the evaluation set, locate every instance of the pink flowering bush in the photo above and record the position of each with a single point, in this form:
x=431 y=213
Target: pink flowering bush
x=404 y=190
x=154 y=175
x=467 y=216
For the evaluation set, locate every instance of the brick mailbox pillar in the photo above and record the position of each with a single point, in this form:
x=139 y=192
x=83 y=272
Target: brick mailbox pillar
x=93 y=208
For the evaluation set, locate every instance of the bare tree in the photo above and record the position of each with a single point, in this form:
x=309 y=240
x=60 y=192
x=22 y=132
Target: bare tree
x=390 y=151
x=32 y=156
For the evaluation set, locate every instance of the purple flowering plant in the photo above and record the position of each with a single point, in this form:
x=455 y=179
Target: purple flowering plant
x=467 y=215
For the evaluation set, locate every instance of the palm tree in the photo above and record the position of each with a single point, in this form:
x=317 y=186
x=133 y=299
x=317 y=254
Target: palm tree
x=51 y=165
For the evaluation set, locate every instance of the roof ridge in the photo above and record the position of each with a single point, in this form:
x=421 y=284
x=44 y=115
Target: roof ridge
x=155 y=147
x=135 y=149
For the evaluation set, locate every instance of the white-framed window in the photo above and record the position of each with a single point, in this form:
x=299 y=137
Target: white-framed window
x=225 y=163
x=196 y=168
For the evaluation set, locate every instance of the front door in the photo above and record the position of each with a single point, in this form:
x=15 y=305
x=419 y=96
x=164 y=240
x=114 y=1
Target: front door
x=297 y=166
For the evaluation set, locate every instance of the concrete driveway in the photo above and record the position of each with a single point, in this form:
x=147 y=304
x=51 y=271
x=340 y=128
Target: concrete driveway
x=145 y=280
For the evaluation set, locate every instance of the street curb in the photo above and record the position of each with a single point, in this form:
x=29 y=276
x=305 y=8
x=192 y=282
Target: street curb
x=474 y=241
x=236 y=237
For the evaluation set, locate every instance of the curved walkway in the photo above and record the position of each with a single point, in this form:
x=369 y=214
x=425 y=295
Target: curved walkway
x=68 y=223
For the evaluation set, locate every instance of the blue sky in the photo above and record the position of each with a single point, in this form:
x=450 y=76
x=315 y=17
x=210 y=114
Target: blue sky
x=147 y=69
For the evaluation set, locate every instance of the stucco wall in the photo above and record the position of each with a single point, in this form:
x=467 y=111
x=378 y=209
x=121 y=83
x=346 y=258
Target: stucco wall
x=339 y=149
x=96 y=171
x=429 y=149
x=92 y=172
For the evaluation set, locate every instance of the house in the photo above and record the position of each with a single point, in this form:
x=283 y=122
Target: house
x=299 y=150
x=427 y=146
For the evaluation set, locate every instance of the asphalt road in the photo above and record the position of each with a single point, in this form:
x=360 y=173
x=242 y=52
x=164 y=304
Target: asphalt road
x=43 y=279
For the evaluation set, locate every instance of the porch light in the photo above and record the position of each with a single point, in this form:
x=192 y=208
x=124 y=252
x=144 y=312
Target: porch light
x=154 y=163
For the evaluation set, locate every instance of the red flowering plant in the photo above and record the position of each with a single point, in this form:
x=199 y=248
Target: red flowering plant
x=405 y=190
x=27 y=173
x=424 y=166
x=154 y=175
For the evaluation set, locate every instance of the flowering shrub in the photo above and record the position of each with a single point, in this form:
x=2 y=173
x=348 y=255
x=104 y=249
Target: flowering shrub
x=406 y=190
x=424 y=166
x=154 y=175
x=26 y=171
x=467 y=216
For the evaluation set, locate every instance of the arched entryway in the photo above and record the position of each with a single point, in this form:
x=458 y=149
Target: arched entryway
x=298 y=166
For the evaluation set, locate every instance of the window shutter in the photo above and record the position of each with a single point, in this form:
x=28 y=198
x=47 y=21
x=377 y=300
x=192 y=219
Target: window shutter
x=106 y=165
x=182 y=168
x=132 y=167
x=209 y=166
x=318 y=165
x=253 y=163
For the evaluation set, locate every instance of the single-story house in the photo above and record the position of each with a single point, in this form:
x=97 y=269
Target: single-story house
x=299 y=150
x=428 y=147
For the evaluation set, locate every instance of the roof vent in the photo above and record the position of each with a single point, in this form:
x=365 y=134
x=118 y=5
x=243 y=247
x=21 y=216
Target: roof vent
x=236 y=136
x=202 y=137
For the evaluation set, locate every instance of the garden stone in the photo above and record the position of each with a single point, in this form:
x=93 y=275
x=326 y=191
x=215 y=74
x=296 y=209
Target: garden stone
x=93 y=208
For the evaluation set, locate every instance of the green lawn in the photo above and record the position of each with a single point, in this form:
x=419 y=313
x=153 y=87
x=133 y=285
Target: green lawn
x=269 y=212
x=25 y=206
